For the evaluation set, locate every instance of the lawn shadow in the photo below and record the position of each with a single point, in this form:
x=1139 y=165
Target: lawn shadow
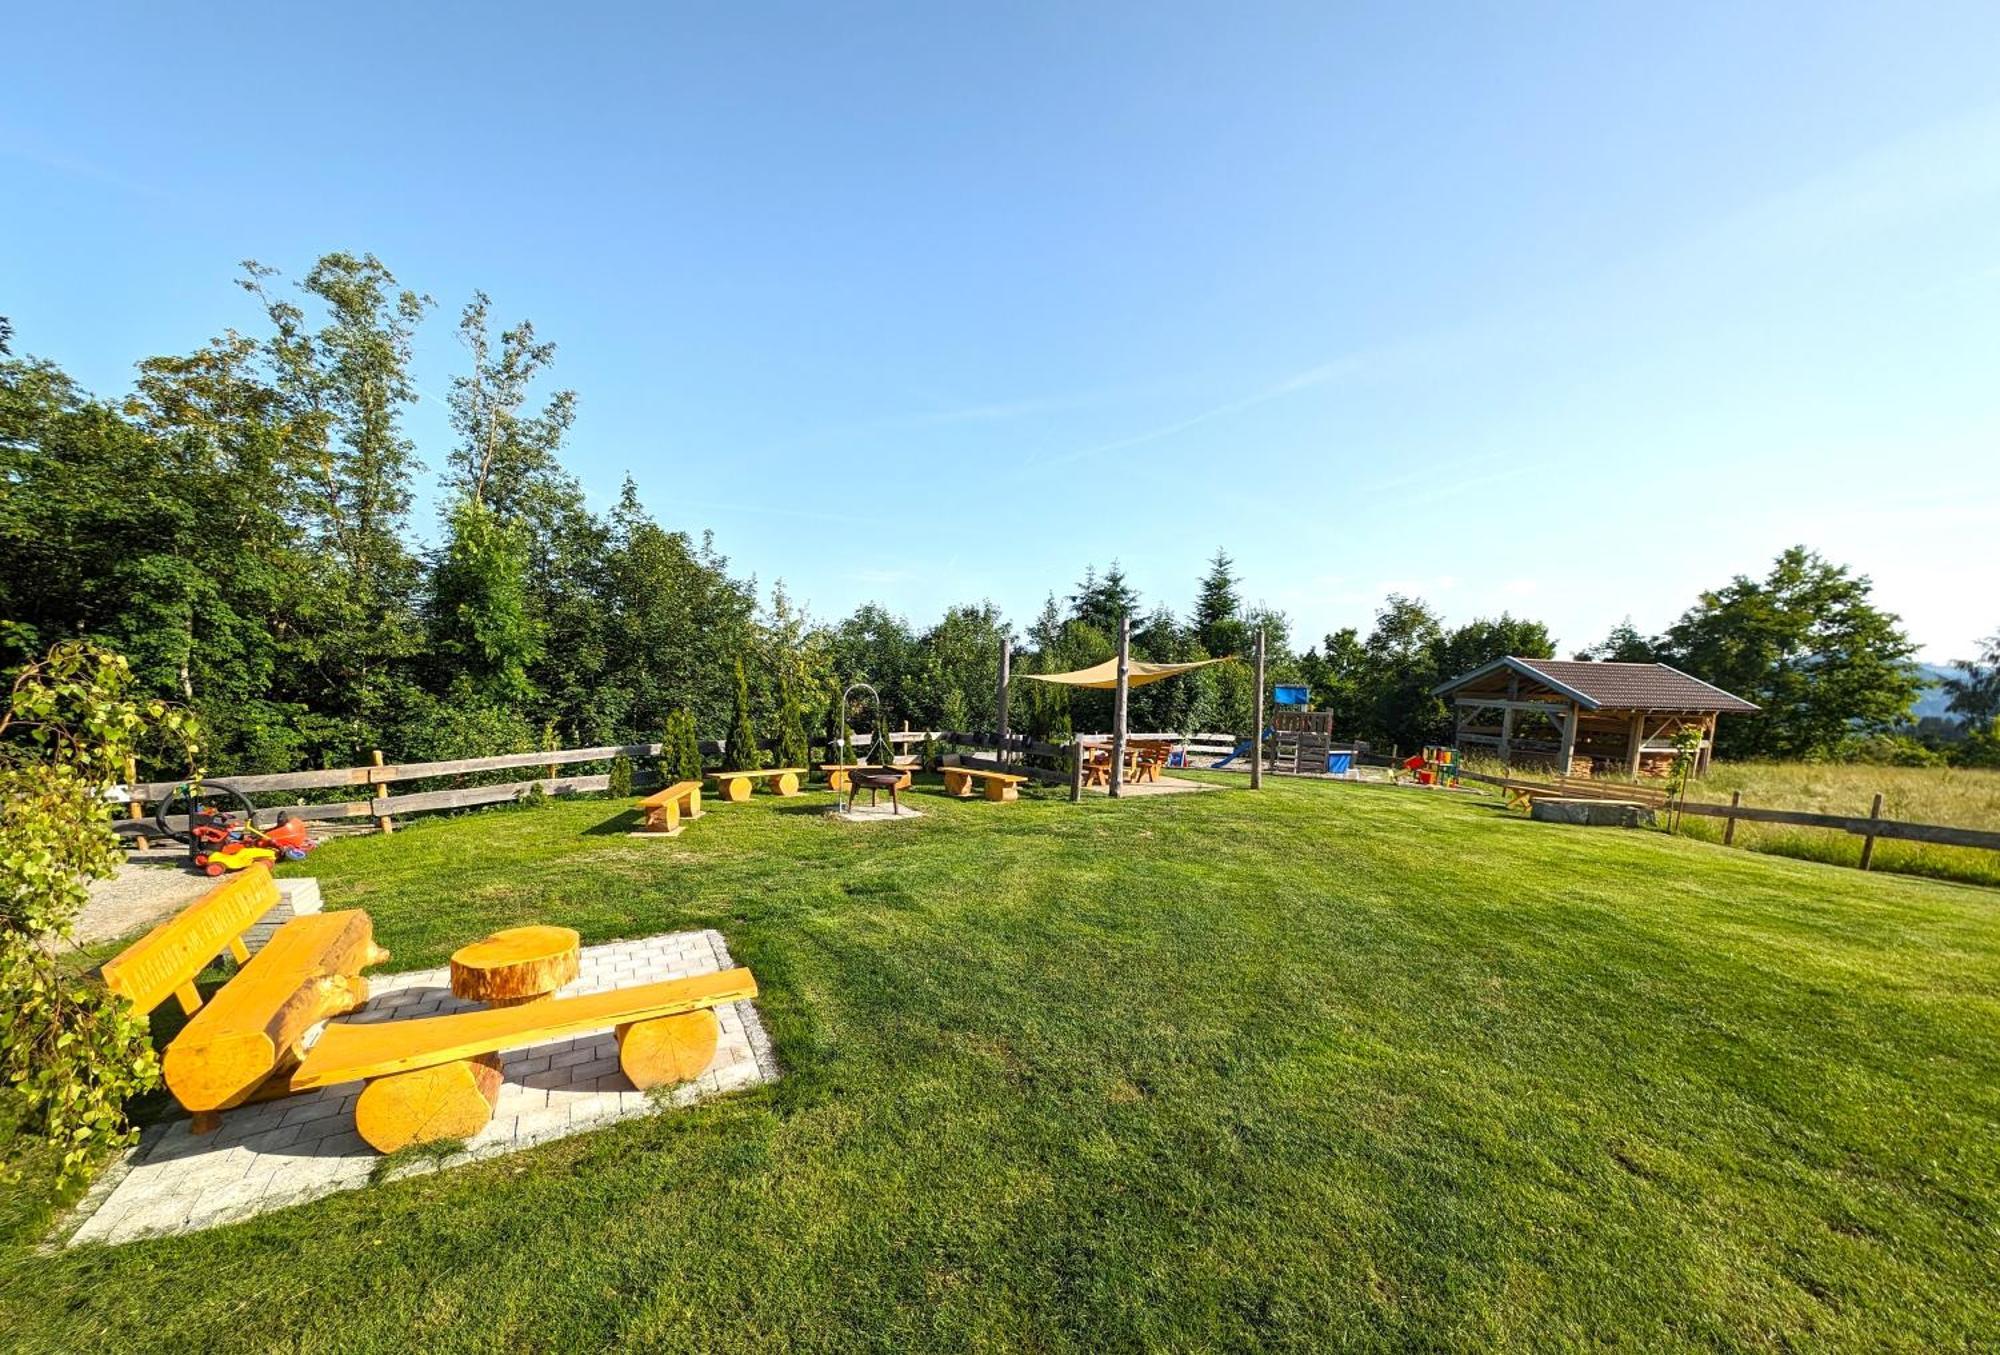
x=618 y=825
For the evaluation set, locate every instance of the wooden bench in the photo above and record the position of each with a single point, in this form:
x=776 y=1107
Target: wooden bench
x=734 y=787
x=1150 y=759
x=996 y=785
x=665 y=809
x=438 y=1077
x=1523 y=794
x=242 y=1041
x=836 y=774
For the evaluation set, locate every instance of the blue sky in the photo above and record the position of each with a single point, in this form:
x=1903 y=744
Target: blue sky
x=1565 y=310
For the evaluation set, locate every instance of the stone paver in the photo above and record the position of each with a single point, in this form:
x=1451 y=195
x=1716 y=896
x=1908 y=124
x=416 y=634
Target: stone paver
x=300 y=1148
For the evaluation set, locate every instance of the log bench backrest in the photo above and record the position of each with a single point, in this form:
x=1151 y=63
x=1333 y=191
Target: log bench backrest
x=164 y=961
x=309 y=970
x=1580 y=787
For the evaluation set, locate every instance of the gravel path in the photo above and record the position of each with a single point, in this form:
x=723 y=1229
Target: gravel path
x=149 y=886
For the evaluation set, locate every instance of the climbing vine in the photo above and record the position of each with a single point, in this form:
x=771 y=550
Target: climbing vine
x=74 y=1051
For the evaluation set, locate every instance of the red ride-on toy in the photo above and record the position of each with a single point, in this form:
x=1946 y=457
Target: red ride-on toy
x=221 y=829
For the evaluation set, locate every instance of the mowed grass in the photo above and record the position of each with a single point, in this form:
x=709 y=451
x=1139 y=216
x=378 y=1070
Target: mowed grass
x=1330 y=1066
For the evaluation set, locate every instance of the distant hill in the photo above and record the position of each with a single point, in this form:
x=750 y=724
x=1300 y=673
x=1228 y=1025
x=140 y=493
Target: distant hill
x=1934 y=699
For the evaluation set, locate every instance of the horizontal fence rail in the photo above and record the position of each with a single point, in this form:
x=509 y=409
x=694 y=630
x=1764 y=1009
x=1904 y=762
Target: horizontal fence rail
x=1867 y=827
x=377 y=800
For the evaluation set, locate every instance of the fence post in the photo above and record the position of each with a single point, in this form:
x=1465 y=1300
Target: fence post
x=1868 y=842
x=383 y=823
x=138 y=800
x=1075 y=770
x=1729 y=824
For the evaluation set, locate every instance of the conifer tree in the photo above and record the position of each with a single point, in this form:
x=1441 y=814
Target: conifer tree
x=740 y=753
x=680 y=750
x=792 y=749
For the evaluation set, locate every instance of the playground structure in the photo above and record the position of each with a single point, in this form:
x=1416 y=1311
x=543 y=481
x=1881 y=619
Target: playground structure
x=1298 y=740
x=1437 y=765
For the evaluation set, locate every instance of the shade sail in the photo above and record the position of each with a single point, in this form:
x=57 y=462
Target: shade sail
x=1104 y=676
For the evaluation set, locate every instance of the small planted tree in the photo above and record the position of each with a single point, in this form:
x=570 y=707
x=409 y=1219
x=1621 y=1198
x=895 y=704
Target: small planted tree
x=792 y=749
x=885 y=750
x=73 y=1049
x=619 y=784
x=740 y=753
x=680 y=750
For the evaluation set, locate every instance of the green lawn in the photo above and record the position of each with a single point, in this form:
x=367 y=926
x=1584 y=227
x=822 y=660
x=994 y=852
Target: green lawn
x=1331 y=1066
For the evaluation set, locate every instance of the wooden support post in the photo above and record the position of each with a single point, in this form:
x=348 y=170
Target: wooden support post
x=1635 y=742
x=383 y=823
x=1257 y=722
x=1707 y=750
x=1507 y=737
x=138 y=800
x=1729 y=824
x=1118 y=706
x=1571 y=719
x=1075 y=770
x=1000 y=697
x=1868 y=842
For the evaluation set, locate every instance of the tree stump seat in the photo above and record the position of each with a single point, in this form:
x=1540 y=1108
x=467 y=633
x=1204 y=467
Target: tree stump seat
x=516 y=965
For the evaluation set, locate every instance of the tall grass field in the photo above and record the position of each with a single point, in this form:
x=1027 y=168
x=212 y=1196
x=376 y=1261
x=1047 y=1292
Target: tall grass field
x=1959 y=796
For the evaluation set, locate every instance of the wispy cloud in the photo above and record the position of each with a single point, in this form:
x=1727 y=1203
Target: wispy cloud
x=1308 y=379
x=14 y=147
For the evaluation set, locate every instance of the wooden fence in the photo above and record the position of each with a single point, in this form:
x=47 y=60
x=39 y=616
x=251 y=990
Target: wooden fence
x=1868 y=827
x=377 y=800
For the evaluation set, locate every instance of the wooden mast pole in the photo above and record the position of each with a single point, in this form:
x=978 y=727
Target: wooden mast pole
x=1118 y=706
x=1000 y=699
x=1257 y=728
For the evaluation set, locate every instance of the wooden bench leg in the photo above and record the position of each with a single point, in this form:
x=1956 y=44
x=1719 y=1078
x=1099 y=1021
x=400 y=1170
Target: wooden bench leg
x=734 y=790
x=668 y=1049
x=428 y=1105
x=786 y=784
x=1000 y=790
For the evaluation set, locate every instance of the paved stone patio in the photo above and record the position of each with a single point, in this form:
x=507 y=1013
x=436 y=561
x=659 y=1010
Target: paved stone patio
x=300 y=1148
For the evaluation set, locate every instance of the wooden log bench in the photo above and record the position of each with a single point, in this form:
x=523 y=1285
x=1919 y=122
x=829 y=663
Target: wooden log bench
x=664 y=809
x=1150 y=759
x=734 y=787
x=239 y=1045
x=837 y=778
x=996 y=785
x=438 y=1077
x=1523 y=794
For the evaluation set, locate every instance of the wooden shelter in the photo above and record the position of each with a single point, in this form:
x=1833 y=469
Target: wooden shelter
x=1582 y=716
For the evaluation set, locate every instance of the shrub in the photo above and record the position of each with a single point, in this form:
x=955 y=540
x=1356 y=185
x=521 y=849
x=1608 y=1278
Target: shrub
x=885 y=751
x=740 y=752
x=73 y=1049
x=680 y=750
x=619 y=785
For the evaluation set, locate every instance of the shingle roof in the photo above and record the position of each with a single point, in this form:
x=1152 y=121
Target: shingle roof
x=1619 y=686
